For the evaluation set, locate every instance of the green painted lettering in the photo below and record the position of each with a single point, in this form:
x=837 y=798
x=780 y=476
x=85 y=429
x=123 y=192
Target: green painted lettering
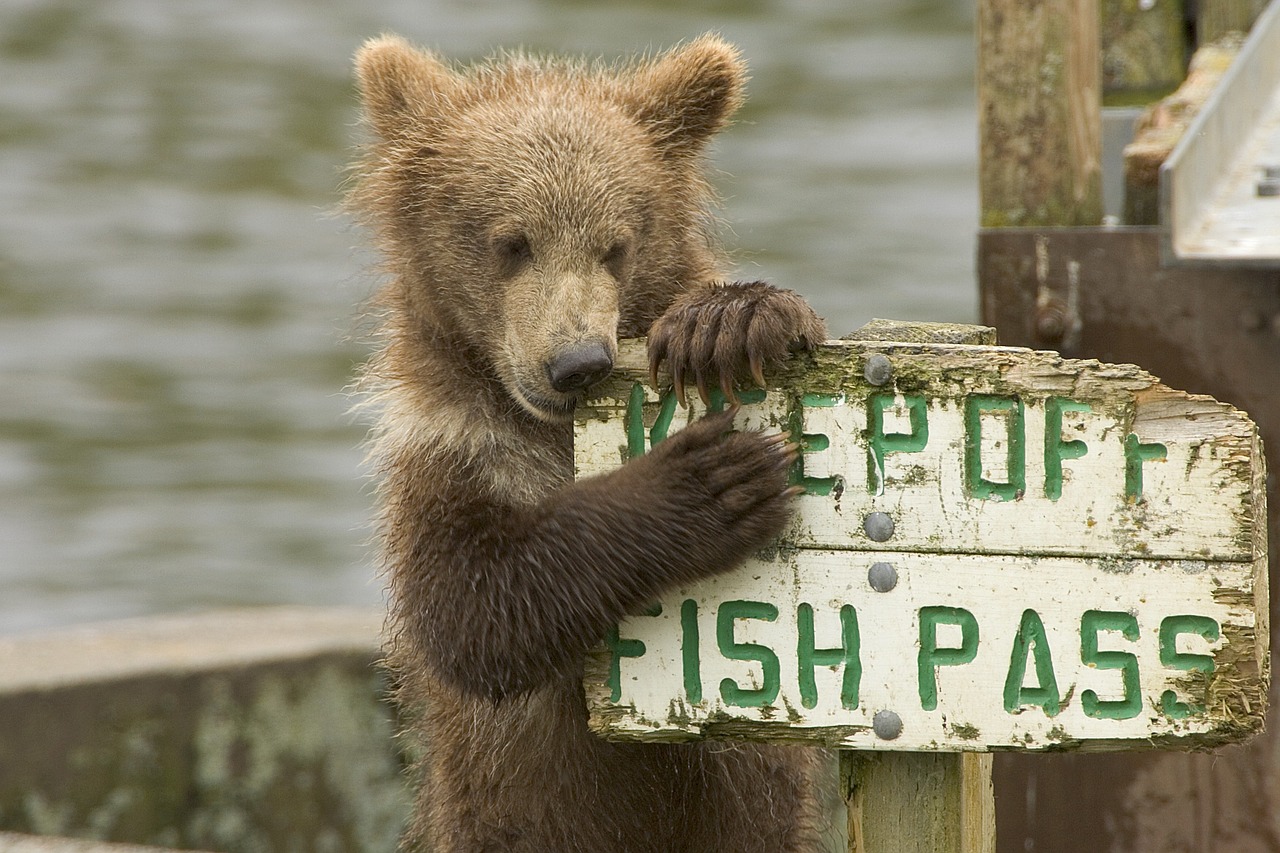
x=880 y=443
x=815 y=443
x=690 y=654
x=1055 y=449
x=662 y=423
x=1031 y=641
x=1130 y=705
x=730 y=691
x=716 y=401
x=619 y=649
x=931 y=657
x=1170 y=629
x=1015 y=447
x=635 y=420
x=822 y=401
x=1135 y=453
x=847 y=655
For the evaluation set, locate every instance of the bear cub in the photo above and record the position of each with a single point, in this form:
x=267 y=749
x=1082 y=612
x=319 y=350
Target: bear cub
x=530 y=212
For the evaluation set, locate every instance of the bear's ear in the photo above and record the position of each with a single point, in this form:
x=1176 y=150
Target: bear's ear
x=400 y=85
x=684 y=96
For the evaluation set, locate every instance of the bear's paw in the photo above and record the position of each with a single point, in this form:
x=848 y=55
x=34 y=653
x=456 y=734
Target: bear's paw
x=727 y=333
x=733 y=487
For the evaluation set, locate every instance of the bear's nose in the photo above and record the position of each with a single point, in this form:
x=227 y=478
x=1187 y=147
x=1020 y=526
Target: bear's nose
x=579 y=366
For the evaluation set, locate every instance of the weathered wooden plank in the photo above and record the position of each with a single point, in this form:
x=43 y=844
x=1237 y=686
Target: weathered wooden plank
x=906 y=331
x=967 y=651
x=1075 y=560
x=991 y=450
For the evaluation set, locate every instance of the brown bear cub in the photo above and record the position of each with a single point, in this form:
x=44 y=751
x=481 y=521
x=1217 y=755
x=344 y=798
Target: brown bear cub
x=530 y=213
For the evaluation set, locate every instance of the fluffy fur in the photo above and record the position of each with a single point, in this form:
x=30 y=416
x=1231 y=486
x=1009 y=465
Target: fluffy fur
x=528 y=211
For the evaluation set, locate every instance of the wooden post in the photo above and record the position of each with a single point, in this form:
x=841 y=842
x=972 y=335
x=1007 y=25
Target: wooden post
x=1216 y=18
x=918 y=802
x=1144 y=50
x=1039 y=107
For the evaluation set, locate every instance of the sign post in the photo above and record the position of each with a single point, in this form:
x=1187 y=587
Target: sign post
x=996 y=549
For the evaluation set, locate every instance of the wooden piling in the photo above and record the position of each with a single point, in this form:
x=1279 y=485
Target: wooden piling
x=918 y=802
x=1216 y=18
x=1039 y=81
x=1144 y=50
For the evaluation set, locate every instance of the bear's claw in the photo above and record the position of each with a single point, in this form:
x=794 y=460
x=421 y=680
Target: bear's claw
x=730 y=332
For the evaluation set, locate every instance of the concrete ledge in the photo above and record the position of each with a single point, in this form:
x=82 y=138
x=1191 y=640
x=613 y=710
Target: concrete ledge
x=13 y=843
x=110 y=651
x=253 y=730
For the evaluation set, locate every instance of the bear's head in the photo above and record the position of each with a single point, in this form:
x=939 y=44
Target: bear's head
x=533 y=210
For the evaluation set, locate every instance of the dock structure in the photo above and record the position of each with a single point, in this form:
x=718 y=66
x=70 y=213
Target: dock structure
x=1141 y=283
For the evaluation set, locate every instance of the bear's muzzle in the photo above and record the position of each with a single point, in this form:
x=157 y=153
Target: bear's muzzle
x=578 y=367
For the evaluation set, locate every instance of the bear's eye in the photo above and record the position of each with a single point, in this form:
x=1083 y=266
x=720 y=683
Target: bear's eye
x=615 y=258
x=513 y=251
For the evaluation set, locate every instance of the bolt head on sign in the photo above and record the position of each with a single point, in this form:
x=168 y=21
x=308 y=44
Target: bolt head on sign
x=1078 y=557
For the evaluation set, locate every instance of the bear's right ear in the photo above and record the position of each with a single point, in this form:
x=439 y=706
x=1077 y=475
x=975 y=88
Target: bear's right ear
x=684 y=96
x=400 y=85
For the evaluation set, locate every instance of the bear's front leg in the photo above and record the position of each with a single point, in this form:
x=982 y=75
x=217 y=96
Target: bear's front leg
x=505 y=597
x=723 y=333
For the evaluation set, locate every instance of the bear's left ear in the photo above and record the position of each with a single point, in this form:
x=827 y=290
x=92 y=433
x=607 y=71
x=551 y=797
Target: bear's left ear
x=401 y=86
x=684 y=96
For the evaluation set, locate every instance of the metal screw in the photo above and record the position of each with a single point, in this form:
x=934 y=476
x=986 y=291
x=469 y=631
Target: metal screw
x=887 y=725
x=878 y=370
x=878 y=526
x=882 y=577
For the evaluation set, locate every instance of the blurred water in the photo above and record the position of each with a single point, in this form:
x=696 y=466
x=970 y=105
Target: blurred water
x=174 y=295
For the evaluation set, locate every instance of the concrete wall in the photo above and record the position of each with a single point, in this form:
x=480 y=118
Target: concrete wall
x=12 y=842
x=257 y=730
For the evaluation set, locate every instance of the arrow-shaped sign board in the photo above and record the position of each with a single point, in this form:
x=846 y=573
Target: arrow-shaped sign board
x=996 y=548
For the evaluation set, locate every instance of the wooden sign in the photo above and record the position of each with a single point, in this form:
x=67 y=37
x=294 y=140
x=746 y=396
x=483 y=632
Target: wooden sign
x=997 y=548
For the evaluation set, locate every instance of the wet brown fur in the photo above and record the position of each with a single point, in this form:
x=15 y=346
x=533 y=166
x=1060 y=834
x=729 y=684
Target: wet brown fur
x=525 y=207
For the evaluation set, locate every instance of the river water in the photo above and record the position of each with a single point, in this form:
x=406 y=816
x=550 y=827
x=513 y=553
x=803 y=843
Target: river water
x=176 y=294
